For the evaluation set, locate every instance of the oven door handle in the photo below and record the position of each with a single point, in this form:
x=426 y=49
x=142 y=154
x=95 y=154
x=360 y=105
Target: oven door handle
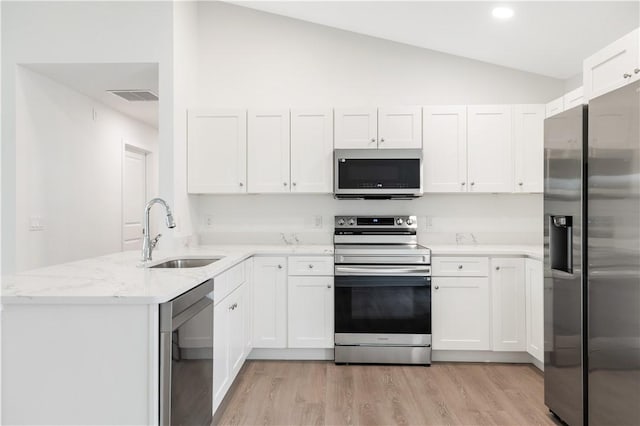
x=353 y=270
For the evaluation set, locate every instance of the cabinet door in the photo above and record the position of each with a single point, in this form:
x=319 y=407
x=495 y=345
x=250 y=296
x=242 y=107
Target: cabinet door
x=574 y=98
x=399 y=128
x=554 y=107
x=217 y=151
x=312 y=151
x=356 y=128
x=268 y=142
x=489 y=148
x=310 y=310
x=509 y=307
x=248 y=331
x=444 y=145
x=236 y=305
x=529 y=147
x=535 y=308
x=461 y=316
x=221 y=377
x=606 y=70
x=269 y=302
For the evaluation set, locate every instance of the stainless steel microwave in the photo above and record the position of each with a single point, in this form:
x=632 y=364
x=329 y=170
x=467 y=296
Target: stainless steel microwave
x=377 y=173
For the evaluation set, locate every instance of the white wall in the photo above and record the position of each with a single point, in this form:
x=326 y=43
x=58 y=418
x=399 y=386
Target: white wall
x=82 y=32
x=573 y=83
x=69 y=172
x=249 y=58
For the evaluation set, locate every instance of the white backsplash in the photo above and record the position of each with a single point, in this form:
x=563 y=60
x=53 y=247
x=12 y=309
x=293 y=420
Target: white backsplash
x=308 y=219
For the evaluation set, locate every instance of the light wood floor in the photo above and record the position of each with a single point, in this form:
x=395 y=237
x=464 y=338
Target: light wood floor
x=322 y=393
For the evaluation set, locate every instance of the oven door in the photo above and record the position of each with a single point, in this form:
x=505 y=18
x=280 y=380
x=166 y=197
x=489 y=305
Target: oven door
x=379 y=304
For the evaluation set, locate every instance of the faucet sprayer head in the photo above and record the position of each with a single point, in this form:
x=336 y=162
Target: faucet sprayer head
x=170 y=222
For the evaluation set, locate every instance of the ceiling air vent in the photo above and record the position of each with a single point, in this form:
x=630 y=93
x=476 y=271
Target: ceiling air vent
x=136 y=95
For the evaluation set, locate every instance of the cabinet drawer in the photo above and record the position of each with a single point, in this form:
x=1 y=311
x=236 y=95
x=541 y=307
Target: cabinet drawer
x=228 y=281
x=460 y=266
x=310 y=265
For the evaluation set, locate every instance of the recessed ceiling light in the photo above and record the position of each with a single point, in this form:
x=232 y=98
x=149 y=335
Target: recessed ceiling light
x=502 y=12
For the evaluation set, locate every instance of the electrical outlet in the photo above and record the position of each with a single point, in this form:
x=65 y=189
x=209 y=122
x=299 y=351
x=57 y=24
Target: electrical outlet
x=317 y=222
x=208 y=220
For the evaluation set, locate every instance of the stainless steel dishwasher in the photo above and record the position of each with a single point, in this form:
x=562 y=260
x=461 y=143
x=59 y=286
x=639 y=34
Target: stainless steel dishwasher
x=186 y=358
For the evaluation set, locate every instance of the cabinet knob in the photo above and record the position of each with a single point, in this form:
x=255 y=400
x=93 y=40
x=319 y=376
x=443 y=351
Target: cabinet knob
x=437 y=287
x=294 y=184
x=328 y=285
x=373 y=140
x=497 y=268
x=473 y=183
x=310 y=266
x=463 y=183
x=241 y=184
x=459 y=266
x=520 y=183
x=284 y=183
x=626 y=75
x=381 y=140
x=279 y=266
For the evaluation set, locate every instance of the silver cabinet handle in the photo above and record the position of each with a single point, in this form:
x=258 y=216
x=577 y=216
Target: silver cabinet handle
x=520 y=183
x=241 y=184
x=437 y=287
x=310 y=266
x=381 y=140
x=473 y=183
x=373 y=140
x=285 y=183
x=463 y=183
x=328 y=285
x=626 y=75
x=497 y=268
x=459 y=266
x=279 y=266
x=294 y=184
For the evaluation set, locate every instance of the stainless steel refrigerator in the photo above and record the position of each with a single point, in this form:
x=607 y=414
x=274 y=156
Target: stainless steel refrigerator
x=592 y=261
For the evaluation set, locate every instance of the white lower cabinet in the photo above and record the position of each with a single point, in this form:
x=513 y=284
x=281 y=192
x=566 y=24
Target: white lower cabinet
x=508 y=297
x=461 y=313
x=229 y=338
x=269 y=302
x=534 y=288
x=310 y=308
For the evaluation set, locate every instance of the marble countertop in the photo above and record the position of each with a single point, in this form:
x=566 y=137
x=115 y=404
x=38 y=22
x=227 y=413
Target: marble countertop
x=120 y=279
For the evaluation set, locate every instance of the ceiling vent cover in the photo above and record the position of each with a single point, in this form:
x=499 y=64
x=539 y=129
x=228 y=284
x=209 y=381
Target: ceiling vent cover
x=136 y=95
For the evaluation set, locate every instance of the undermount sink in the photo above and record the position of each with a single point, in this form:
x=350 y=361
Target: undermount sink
x=186 y=263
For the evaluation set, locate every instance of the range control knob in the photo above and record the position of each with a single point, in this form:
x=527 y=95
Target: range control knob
x=409 y=221
x=352 y=222
x=399 y=221
x=340 y=222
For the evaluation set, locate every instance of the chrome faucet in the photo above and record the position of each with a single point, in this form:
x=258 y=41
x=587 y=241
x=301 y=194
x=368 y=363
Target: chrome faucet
x=147 y=243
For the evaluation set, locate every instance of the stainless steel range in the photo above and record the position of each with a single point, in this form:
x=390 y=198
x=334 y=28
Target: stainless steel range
x=382 y=291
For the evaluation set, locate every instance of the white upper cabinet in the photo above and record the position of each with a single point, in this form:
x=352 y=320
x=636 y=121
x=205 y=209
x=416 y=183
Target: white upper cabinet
x=612 y=67
x=574 y=98
x=444 y=145
x=399 y=128
x=356 y=128
x=554 y=107
x=528 y=147
x=217 y=151
x=312 y=151
x=268 y=144
x=489 y=148
x=509 y=305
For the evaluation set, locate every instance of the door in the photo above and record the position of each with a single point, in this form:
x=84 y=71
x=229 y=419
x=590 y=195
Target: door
x=528 y=145
x=312 y=151
x=613 y=256
x=217 y=151
x=612 y=67
x=563 y=207
x=509 y=306
x=489 y=148
x=534 y=288
x=310 y=307
x=221 y=343
x=574 y=98
x=399 y=127
x=268 y=158
x=134 y=198
x=461 y=313
x=269 y=302
x=356 y=128
x=236 y=305
x=444 y=142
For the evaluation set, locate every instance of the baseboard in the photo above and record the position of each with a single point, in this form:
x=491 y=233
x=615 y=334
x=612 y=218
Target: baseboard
x=537 y=363
x=481 y=356
x=311 y=354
